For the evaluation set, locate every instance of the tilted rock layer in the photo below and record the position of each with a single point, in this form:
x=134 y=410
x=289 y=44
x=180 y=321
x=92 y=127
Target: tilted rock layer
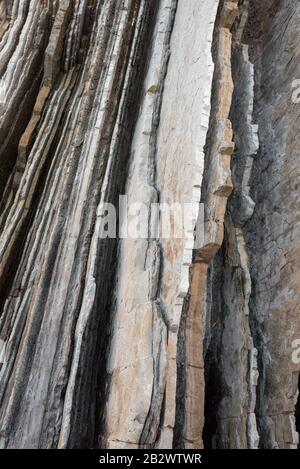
x=152 y=341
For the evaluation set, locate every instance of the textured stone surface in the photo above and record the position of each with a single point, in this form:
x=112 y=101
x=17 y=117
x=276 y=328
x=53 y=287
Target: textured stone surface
x=49 y=243
x=254 y=318
x=153 y=275
x=273 y=231
x=153 y=342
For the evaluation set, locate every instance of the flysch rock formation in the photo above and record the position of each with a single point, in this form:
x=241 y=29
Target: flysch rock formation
x=149 y=341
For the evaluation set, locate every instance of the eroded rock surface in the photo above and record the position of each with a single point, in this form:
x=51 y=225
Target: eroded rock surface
x=149 y=342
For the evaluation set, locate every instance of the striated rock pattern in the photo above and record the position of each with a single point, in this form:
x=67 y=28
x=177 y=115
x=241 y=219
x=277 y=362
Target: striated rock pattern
x=149 y=341
x=253 y=320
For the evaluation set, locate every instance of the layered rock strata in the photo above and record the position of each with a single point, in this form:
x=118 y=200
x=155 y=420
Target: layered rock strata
x=232 y=371
x=52 y=280
x=273 y=231
x=252 y=371
x=149 y=341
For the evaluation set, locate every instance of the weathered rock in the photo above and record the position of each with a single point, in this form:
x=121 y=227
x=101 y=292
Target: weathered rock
x=256 y=309
x=146 y=342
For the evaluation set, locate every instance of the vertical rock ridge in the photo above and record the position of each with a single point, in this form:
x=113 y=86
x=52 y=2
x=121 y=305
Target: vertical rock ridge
x=142 y=415
x=243 y=331
x=272 y=233
x=66 y=164
x=230 y=348
x=21 y=52
x=114 y=338
x=216 y=188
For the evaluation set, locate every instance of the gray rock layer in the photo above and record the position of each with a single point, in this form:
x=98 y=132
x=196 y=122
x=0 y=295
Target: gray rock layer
x=149 y=342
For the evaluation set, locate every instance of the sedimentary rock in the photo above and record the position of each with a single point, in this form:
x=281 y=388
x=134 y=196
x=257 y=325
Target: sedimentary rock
x=149 y=340
x=259 y=252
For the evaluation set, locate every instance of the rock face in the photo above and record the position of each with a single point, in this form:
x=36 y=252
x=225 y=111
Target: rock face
x=155 y=340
